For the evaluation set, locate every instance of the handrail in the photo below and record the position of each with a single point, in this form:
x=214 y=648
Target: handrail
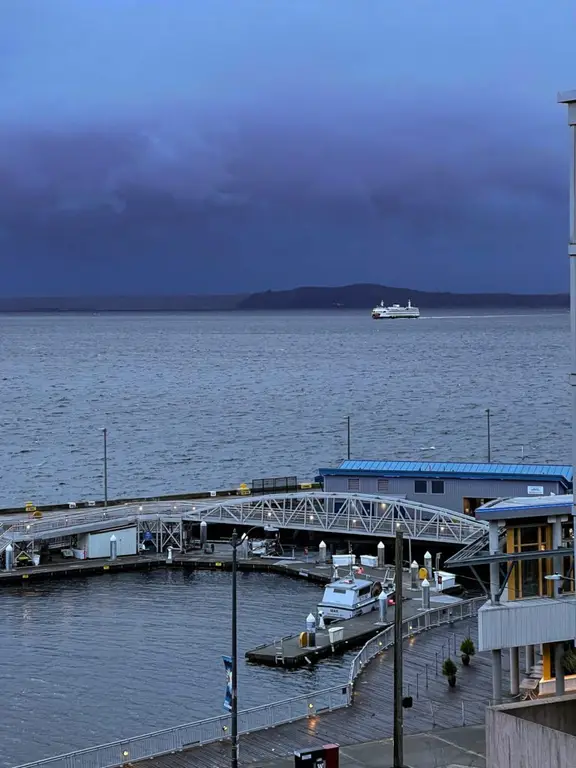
x=264 y=716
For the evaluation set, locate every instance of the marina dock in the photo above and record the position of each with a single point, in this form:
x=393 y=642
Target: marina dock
x=287 y=651
x=370 y=717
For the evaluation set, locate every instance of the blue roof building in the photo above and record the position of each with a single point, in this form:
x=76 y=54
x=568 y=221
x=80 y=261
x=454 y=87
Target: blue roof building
x=462 y=486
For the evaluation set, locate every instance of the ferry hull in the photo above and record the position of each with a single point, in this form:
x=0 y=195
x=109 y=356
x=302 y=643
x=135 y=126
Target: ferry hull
x=332 y=613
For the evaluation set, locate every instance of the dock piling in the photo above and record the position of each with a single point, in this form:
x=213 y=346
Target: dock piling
x=381 y=554
x=414 y=575
x=113 y=547
x=428 y=564
x=383 y=606
x=425 y=595
x=9 y=557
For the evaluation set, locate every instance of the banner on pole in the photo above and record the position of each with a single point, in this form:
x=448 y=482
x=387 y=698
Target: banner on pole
x=228 y=696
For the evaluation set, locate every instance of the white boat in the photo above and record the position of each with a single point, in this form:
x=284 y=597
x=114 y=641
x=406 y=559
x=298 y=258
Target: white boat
x=395 y=312
x=345 y=598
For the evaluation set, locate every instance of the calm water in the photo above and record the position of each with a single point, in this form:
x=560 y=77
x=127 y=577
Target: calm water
x=202 y=401
x=93 y=660
x=194 y=402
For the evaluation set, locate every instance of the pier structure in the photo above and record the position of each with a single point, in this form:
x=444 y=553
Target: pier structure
x=166 y=522
x=356 y=710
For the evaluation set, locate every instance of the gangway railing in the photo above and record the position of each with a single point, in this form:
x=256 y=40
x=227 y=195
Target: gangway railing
x=345 y=513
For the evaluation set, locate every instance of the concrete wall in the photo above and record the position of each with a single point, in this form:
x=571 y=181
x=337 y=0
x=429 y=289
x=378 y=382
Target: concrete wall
x=539 y=734
x=455 y=489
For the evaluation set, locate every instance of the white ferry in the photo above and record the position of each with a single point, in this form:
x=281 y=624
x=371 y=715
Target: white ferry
x=395 y=312
x=345 y=598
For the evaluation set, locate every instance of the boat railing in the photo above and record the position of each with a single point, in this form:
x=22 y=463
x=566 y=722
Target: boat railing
x=213 y=729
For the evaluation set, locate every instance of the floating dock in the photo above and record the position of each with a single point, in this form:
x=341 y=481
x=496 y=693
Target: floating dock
x=287 y=651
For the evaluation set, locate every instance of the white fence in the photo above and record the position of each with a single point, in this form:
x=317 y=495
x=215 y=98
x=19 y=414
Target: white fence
x=259 y=718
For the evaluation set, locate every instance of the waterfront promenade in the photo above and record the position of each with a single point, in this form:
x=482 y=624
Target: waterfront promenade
x=436 y=706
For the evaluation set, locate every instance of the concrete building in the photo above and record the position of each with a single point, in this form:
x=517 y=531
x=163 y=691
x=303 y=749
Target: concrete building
x=462 y=487
x=536 y=733
x=531 y=611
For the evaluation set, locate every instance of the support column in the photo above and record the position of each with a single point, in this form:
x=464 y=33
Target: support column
x=514 y=672
x=559 y=669
x=570 y=100
x=556 y=544
x=496 y=677
x=529 y=657
x=494 y=589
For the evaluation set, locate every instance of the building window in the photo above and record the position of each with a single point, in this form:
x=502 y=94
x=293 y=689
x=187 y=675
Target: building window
x=353 y=483
x=420 y=486
x=382 y=485
x=437 y=486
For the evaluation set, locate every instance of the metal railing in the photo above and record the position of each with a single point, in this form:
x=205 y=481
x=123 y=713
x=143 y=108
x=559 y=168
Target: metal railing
x=214 y=729
x=435 y=617
x=376 y=515
x=200 y=732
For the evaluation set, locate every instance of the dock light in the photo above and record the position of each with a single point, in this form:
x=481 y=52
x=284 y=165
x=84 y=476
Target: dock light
x=125 y=753
x=353 y=522
x=558 y=577
x=311 y=517
x=397 y=525
x=269 y=514
x=310 y=706
x=441 y=529
x=140 y=508
x=28 y=527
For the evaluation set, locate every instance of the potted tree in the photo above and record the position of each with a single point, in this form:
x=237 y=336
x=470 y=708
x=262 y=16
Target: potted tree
x=467 y=650
x=449 y=670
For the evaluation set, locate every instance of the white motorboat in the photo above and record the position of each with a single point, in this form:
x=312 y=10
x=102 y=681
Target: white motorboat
x=395 y=312
x=348 y=597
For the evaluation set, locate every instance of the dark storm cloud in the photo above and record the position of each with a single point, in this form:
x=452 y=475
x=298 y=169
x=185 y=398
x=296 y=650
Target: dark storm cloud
x=228 y=146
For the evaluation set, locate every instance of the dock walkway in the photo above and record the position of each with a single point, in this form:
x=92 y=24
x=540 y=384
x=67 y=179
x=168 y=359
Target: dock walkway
x=435 y=705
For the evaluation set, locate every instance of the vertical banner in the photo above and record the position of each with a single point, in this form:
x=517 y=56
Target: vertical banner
x=228 y=696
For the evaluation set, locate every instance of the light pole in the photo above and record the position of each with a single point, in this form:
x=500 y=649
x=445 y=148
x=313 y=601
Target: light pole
x=236 y=541
x=105 y=435
x=348 y=434
x=488 y=435
x=398 y=681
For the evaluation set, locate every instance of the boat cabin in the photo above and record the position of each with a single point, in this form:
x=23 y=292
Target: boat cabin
x=348 y=597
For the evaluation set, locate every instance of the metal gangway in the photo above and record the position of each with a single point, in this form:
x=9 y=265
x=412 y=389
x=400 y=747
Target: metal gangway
x=336 y=513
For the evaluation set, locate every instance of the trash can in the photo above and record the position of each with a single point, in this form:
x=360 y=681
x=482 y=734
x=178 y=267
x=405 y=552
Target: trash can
x=322 y=757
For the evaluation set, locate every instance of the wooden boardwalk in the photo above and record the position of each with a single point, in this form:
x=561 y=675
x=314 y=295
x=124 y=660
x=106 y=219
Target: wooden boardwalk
x=370 y=717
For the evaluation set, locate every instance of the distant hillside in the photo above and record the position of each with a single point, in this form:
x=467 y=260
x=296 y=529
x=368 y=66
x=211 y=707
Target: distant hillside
x=346 y=297
x=123 y=303
x=366 y=296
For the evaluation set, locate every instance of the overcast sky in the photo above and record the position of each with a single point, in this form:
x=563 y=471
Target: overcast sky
x=183 y=146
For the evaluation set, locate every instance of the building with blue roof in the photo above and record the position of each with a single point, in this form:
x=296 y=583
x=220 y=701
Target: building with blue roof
x=461 y=486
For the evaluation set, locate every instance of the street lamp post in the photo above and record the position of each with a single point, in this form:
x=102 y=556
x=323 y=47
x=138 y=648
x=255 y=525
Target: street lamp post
x=236 y=541
x=488 y=435
x=398 y=660
x=348 y=435
x=105 y=435
x=234 y=693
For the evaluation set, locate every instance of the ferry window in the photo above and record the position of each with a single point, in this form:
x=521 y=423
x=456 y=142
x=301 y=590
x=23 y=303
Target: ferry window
x=420 y=486
x=353 y=483
x=339 y=591
x=363 y=591
x=437 y=486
